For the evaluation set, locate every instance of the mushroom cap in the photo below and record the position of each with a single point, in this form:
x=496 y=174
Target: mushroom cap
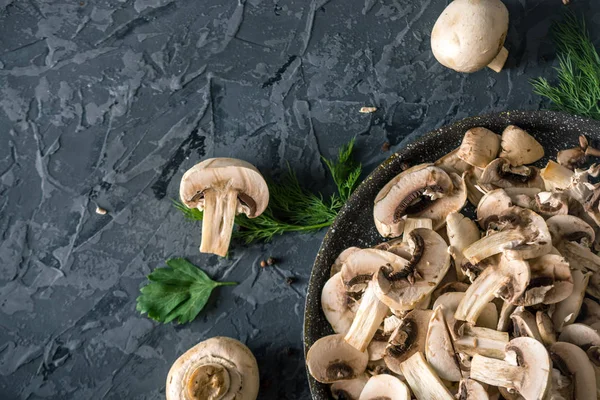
x=439 y=350
x=226 y=174
x=551 y=281
x=567 y=310
x=385 y=386
x=524 y=324
x=499 y=173
x=532 y=356
x=360 y=266
x=349 y=389
x=407 y=339
x=549 y=204
x=230 y=354
x=452 y=163
x=450 y=301
x=545 y=328
x=376 y=349
x=569 y=228
x=443 y=206
x=468 y=35
x=519 y=147
x=580 y=335
x=491 y=205
x=341 y=259
x=430 y=260
x=410 y=193
x=574 y=362
x=470 y=389
x=331 y=359
x=479 y=146
x=336 y=304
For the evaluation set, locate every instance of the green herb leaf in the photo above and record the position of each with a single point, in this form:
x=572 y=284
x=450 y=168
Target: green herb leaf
x=292 y=208
x=578 y=88
x=179 y=291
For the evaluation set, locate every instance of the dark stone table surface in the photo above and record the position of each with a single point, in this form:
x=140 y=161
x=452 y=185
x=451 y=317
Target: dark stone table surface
x=106 y=103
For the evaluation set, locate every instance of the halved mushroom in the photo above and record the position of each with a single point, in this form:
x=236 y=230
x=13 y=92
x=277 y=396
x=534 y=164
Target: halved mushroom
x=439 y=349
x=409 y=193
x=217 y=368
x=470 y=389
x=573 y=362
x=527 y=369
x=479 y=147
x=222 y=188
x=566 y=311
x=462 y=232
x=331 y=359
x=408 y=338
x=337 y=305
x=545 y=328
x=422 y=379
x=359 y=267
x=500 y=174
x=551 y=281
x=507 y=278
x=524 y=324
x=385 y=387
x=369 y=316
x=519 y=147
x=403 y=289
x=341 y=259
x=569 y=228
x=493 y=204
x=349 y=389
x=521 y=232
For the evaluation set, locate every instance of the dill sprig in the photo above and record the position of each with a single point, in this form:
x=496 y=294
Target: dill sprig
x=578 y=88
x=293 y=208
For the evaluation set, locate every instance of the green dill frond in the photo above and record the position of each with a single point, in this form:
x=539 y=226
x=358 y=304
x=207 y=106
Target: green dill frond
x=344 y=171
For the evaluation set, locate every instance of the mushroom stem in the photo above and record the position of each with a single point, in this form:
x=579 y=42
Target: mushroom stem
x=498 y=63
x=479 y=294
x=423 y=381
x=494 y=372
x=368 y=318
x=484 y=341
x=493 y=244
x=217 y=223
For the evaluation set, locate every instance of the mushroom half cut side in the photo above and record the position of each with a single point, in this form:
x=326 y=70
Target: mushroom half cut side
x=218 y=368
x=223 y=188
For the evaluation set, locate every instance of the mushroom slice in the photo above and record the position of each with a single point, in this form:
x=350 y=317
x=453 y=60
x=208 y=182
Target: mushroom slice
x=403 y=289
x=500 y=174
x=450 y=302
x=549 y=204
x=580 y=335
x=455 y=201
x=569 y=228
x=566 y=311
x=545 y=328
x=390 y=324
x=523 y=196
x=359 y=267
x=331 y=359
x=369 y=316
x=474 y=192
x=550 y=282
x=573 y=362
x=504 y=318
x=439 y=349
x=341 y=259
x=508 y=279
x=376 y=349
x=409 y=193
x=524 y=324
x=470 y=389
x=337 y=305
x=413 y=223
x=556 y=176
x=349 y=389
x=527 y=370
x=493 y=204
x=385 y=387
x=222 y=188
x=408 y=338
x=448 y=288
x=519 y=147
x=217 y=368
x=589 y=313
x=422 y=379
x=452 y=163
x=521 y=231
x=479 y=147
x=462 y=232
x=572 y=158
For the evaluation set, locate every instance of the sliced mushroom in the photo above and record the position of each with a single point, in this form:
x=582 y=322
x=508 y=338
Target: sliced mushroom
x=409 y=193
x=566 y=311
x=500 y=174
x=349 y=389
x=369 y=316
x=359 y=267
x=222 y=188
x=439 y=349
x=527 y=370
x=519 y=147
x=589 y=313
x=580 y=335
x=403 y=289
x=550 y=282
x=571 y=158
x=574 y=363
x=474 y=192
x=337 y=305
x=452 y=163
x=455 y=201
x=331 y=359
x=479 y=147
x=524 y=324
x=493 y=204
x=470 y=389
x=569 y=228
x=422 y=379
x=217 y=368
x=447 y=288
x=556 y=176
x=549 y=204
x=523 y=196
x=462 y=232
x=504 y=320
x=390 y=324
x=385 y=387
x=473 y=340
x=450 y=301
x=412 y=223
x=508 y=279
x=408 y=338
x=341 y=259
x=521 y=232
x=376 y=349
x=545 y=328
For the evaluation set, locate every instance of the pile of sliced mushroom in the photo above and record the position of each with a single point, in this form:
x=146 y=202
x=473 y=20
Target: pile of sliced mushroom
x=501 y=306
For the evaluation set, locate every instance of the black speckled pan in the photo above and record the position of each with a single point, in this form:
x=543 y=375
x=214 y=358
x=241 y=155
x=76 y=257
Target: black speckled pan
x=354 y=225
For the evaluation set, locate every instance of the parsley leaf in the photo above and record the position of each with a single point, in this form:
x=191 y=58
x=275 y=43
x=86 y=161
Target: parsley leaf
x=179 y=291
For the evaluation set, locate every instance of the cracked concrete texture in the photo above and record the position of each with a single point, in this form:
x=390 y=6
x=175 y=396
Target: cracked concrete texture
x=107 y=103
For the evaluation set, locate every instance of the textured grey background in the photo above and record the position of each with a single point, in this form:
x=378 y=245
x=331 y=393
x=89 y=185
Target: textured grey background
x=109 y=102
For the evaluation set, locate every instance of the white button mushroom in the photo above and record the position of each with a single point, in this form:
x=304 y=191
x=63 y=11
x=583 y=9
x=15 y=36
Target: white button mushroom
x=469 y=35
x=219 y=368
x=222 y=188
